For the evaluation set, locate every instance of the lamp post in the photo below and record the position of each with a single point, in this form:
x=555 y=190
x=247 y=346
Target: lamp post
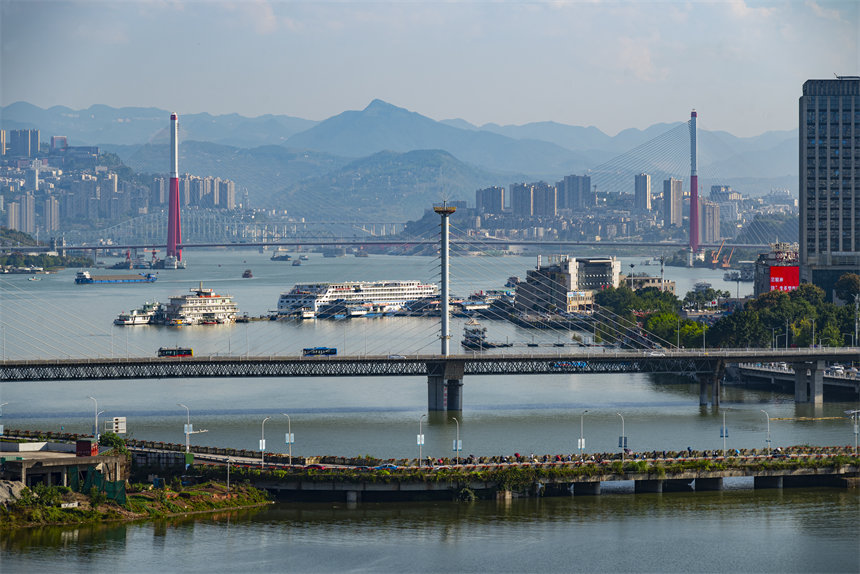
x=187 y=427
x=420 y=438
x=767 y=418
x=1 y=417
x=290 y=438
x=622 y=440
x=457 y=445
x=229 y=460
x=263 y=444
x=852 y=414
x=95 y=418
x=581 y=436
x=724 y=433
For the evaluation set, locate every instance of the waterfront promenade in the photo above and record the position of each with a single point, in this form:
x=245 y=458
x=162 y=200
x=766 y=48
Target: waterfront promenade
x=353 y=479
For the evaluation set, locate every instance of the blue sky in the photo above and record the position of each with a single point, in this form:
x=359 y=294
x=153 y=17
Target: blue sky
x=612 y=64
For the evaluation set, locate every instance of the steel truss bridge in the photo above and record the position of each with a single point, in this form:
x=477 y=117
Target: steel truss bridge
x=445 y=372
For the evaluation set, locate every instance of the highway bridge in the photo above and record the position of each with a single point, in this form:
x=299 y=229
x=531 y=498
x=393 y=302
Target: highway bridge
x=445 y=373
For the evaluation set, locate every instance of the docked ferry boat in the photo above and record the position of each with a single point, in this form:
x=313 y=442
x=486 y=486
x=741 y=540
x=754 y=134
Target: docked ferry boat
x=201 y=307
x=376 y=296
x=143 y=316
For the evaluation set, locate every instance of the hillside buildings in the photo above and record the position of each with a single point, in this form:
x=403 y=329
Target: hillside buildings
x=53 y=187
x=829 y=113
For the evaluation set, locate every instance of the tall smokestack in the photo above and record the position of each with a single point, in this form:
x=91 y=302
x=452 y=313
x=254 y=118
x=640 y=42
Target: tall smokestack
x=174 y=230
x=694 y=187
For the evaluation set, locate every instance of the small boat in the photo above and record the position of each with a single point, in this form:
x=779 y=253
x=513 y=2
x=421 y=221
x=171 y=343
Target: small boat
x=142 y=316
x=475 y=337
x=297 y=262
x=34 y=278
x=357 y=310
x=304 y=257
x=281 y=254
x=247 y=274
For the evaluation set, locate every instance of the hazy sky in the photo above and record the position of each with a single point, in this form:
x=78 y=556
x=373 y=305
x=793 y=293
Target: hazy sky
x=612 y=64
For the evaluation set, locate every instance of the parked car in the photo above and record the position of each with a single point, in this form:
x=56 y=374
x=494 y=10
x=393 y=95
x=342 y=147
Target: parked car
x=315 y=467
x=386 y=467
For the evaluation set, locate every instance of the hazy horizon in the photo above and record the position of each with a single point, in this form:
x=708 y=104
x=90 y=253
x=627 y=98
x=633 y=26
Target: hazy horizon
x=611 y=65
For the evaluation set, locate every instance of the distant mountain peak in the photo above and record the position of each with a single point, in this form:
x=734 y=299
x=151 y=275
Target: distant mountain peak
x=378 y=105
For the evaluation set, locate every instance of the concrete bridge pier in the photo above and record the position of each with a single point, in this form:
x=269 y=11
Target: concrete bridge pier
x=809 y=382
x=445 y=385
x=709 y=484
x=586 y=488
x=642 y=486
x=767 y=482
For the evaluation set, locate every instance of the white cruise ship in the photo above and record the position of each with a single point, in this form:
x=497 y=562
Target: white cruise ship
x=379 y=296
x=202 y=307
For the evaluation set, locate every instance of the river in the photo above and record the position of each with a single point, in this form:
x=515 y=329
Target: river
x=738 y=529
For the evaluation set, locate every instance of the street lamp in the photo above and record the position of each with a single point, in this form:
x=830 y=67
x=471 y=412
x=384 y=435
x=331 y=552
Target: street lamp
x=767 y=418
x=187 y=428
x=290 y=437
x=95 y=418
x=1 y=416
x=263 y=444
x=724 y=433
x=581 y=437
x=229 y=460
x=420 y=438
x=457 y=445
x=622 y=440
x=853 y=415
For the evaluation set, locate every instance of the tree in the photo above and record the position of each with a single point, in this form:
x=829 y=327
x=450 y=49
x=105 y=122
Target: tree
x=848 y=287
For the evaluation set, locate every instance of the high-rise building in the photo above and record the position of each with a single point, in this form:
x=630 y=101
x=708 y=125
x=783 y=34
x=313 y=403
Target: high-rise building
x=642 y=195
x=24 y=143
x=27 y=220
x=227 y=194
x=829 y=180
x=673 y=202
x=490 y=200
x=544 y=199
x=158 y=191
x=52 y=214
x=2 y=142
x=13 y=215
x=709 y=221
x=522 y=199
x=575 y=192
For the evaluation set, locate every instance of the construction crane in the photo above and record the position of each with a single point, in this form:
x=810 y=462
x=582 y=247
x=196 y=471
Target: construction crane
x=727 y=260
x=715 y=259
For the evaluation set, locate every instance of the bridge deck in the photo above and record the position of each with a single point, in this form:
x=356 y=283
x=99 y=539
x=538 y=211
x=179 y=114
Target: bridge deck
x=689 y=362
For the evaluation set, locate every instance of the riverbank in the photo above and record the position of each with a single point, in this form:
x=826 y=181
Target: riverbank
x=57 y=505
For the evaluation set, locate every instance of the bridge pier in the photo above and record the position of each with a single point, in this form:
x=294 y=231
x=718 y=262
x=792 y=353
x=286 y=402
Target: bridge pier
x=642 y=486
x=709 y=484
x=809 y=382
x=586 y=488
x=445 y=385
x=767 y=482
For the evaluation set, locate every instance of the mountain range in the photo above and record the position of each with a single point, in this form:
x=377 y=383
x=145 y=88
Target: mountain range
x=389 y=157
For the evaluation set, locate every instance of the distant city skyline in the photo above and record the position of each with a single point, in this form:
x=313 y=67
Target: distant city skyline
x=613 y=65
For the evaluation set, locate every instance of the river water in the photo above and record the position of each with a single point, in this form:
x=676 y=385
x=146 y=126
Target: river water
x=737 y=529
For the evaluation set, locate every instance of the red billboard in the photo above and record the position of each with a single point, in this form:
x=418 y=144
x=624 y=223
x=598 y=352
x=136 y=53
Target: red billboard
x=784 y=278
